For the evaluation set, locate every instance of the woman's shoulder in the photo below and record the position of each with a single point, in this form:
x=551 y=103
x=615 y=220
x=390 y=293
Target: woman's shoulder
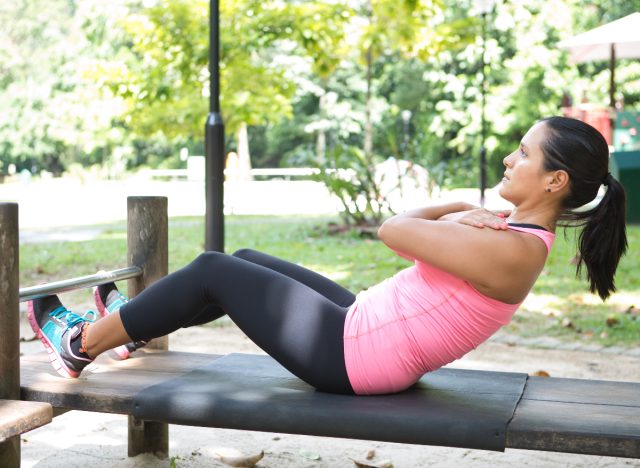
x=517 y=272
x=538 y=231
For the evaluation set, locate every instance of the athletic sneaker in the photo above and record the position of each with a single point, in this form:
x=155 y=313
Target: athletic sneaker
x=60 y=331
x=108 y=300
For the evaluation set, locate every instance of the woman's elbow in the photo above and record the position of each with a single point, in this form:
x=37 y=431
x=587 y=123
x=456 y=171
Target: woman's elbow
x=381 y=232
x=386 y=229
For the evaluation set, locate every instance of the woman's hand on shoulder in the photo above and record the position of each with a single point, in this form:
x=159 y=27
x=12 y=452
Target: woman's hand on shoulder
x=493 y=260
x=480 y=218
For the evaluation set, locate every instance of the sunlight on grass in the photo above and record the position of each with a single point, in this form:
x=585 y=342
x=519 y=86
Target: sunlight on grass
x=545 y=304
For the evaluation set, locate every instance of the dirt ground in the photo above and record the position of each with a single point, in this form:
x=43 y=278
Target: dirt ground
x=79 y=439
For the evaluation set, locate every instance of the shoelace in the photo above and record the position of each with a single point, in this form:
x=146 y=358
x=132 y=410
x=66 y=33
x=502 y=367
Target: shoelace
x=72 y=318
x=90 y=316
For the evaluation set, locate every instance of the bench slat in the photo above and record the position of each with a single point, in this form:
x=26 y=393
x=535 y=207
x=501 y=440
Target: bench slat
x=556 y=426
x=599 y=392
x=18 y=417
x=107 y=385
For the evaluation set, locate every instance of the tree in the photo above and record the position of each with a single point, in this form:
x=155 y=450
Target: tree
x=54 y=114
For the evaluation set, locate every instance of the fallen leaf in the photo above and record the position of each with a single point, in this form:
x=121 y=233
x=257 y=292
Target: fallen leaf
x=371 y=454
x=566 y=323
x=627 y=309
x=372 y=464
x=612 y=321
x=541 y=373
x=242 y=461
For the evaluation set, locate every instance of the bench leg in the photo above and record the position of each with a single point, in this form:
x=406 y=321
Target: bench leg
x=148 y=437
x=148 y=248
x=10 y=453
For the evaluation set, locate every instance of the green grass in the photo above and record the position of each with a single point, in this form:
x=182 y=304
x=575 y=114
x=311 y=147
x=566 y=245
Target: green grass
x=559 y=305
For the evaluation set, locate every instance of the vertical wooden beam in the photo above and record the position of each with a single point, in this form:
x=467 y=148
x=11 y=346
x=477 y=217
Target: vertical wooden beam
x=148 y=248
x=9 y=323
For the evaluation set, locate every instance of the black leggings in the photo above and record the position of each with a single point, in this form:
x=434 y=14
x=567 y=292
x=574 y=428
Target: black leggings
x=294 y=314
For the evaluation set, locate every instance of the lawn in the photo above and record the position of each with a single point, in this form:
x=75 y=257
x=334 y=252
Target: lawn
x=559 y=305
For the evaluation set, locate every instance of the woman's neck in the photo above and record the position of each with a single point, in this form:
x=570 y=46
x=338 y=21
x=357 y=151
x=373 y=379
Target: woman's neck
x=536 y=215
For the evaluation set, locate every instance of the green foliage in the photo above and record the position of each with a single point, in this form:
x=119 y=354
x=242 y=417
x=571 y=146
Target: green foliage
x=349 y=174
x=125 y=83
x=166 y=81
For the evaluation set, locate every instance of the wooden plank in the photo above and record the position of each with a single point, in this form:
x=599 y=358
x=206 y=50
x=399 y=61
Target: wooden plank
x=583 y=391
x=107 y=385
x=18 y=417
x=560 y=426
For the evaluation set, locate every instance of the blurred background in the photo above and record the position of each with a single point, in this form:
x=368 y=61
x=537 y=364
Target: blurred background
x=383 y=102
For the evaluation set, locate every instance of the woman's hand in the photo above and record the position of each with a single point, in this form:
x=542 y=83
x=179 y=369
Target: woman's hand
x=480 y=218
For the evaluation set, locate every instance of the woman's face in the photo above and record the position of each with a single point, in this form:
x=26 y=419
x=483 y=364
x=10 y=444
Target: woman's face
x=524 y=175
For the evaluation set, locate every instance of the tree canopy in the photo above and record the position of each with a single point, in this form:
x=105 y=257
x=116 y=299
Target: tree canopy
x=83 y=82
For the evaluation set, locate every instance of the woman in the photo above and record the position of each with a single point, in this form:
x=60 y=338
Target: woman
x=472 y=269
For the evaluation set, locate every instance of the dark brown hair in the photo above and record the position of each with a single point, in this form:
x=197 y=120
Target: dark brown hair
x=581 y=150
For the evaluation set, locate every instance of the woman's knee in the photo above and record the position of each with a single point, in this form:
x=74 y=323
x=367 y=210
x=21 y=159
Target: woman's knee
x=207 y=260
x=245 y=254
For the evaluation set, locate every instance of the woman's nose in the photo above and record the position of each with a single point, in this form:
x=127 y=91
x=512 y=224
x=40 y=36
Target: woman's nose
x=507 y=161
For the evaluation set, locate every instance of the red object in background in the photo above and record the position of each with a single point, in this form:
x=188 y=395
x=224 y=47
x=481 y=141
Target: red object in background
x=597 y=118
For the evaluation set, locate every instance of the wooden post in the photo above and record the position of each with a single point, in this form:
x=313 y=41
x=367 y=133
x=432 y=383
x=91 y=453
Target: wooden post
x=9 y=323
x=148 y=241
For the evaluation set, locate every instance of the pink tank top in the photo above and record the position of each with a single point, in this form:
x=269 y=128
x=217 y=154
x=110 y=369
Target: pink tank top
x=416 y=322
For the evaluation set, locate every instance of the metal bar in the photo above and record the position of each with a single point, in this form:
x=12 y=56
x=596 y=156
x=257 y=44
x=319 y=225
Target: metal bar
x=47 y=289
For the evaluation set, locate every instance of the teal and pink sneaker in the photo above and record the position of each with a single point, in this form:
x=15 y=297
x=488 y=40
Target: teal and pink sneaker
x=60 y=331
x=108 y=300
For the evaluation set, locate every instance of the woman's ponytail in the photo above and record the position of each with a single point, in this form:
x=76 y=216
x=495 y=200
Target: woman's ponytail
x=580 y=150
x=603 y=239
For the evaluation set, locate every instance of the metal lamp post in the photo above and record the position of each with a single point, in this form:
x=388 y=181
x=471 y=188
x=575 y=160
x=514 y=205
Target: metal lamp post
x=214 y=142
x=484 y=7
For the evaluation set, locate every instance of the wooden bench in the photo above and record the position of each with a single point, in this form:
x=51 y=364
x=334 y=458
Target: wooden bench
x=18 y=417
x=553 y=414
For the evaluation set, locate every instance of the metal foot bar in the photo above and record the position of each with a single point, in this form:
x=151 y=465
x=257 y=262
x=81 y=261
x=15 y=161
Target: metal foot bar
x=103 y=277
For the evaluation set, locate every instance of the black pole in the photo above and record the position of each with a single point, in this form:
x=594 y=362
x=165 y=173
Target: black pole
x=214 y=142
x=483 y=150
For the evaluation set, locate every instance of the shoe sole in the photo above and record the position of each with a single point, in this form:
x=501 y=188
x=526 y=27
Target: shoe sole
x=121 y=351
x=55 y=358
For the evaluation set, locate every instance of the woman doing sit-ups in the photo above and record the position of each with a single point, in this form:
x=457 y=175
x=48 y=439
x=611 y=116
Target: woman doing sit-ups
x=471 y=270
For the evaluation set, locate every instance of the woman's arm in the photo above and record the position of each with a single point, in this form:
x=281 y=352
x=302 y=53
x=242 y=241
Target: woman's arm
x=499 y=263
x=436 y=212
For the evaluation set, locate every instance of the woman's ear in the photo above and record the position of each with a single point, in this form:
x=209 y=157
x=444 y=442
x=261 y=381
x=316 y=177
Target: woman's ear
x=557 y=181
